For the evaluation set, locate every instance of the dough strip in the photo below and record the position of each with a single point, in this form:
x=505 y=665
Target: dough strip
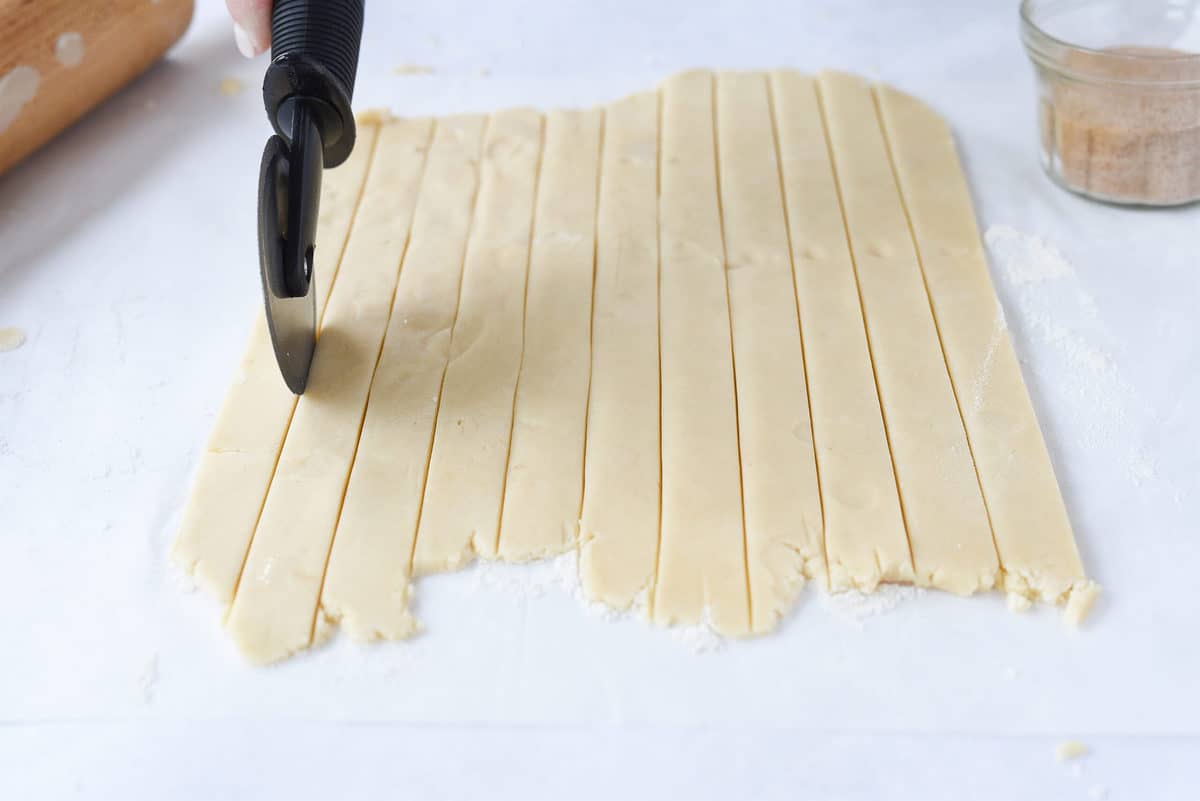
x=865 y=539
x=784 y=541
x=460 y=515
x=1032 y=531
x=619 y=523
x=367 y=580
x=940 y=496
x=235 y=470
x=273 y=611
x=544 y=486
x=702 y=559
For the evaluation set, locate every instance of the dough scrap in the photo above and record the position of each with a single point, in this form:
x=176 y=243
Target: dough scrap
x=721 y=338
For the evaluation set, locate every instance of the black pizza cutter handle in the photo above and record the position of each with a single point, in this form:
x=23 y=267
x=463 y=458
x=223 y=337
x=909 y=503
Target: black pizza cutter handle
x=307 y=93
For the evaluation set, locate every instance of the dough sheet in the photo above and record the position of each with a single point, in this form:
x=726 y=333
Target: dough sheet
x=721 y=340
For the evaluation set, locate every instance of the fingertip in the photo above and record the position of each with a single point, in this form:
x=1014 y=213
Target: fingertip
x=246 y=43
x=251 y=25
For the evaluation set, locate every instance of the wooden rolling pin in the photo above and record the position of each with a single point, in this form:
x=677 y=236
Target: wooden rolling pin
x=59 y=58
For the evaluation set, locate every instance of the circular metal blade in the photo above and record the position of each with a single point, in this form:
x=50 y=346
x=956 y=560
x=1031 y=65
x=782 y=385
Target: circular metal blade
x=293 y=326
x=286 y=225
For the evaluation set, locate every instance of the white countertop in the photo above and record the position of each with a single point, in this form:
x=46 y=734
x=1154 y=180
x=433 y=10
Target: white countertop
x=128 y=259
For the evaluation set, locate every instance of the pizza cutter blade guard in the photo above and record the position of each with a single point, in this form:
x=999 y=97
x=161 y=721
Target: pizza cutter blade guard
x=307 y=92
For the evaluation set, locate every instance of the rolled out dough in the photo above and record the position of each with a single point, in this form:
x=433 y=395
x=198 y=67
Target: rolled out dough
x=367 y=581
x=460 y=516
x=865 y=540
x=544 y=486
x=702 y=557
x=619 y=526
x=722 y=338
x=784 y=538
x=1033 y=534
x=236 y=467
x=947 y=522
x=273 y=612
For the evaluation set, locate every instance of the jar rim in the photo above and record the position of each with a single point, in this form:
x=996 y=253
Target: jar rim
x=1040 y=45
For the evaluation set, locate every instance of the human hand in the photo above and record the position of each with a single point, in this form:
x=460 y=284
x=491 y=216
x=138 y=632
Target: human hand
x=251 y=25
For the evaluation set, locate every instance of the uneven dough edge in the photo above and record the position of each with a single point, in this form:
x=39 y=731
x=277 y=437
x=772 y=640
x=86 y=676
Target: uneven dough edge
x=464 y=489
x=799 y=566
x=942 y=503
x=865 y=541
x=275 y=610
x=702 y=557
x=783 y=516
x=999 y=417
x=368 y=578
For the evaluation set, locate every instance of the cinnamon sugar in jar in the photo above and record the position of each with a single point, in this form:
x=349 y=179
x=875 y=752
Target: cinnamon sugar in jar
x=1119 y=85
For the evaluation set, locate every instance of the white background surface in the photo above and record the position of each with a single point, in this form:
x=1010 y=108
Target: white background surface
x=127 y=255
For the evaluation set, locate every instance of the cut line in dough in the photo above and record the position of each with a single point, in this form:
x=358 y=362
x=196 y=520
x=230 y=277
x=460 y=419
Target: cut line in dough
x=235 y=470
x=865 y=539
x=543 y=489
x=721 y=338
x=702 y=557
x=619 y=527
x=784 y=542
x=367 y=583
x=1033 y=533
x=943 y=508
x=274 y=610
x=460 y=515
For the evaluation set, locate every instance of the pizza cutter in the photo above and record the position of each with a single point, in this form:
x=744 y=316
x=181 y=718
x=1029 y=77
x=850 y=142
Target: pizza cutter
x=307 y=92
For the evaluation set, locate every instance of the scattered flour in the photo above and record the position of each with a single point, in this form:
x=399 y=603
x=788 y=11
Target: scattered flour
x=855 y=607
x=1026 y=259
x=561 y=574
x=536 y=579
x=148 y=679
x=1098 y=792
x=1053 y=308
x=531 y=579
x=184 y=581
x=700 y=638
x=982 y=383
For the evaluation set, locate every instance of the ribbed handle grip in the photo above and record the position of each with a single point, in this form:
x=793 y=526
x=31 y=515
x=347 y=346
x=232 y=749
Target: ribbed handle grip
x=326 y=31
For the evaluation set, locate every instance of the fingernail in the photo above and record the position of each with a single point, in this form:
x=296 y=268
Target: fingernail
x=245 y=45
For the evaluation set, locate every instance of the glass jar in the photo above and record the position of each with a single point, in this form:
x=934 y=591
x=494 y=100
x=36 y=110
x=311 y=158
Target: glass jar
x=1119 y=96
